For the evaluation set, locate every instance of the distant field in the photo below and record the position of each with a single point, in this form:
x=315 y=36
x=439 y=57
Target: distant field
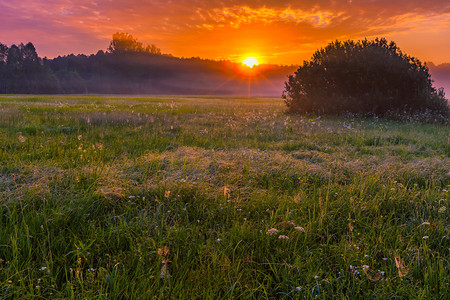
x=185 y=197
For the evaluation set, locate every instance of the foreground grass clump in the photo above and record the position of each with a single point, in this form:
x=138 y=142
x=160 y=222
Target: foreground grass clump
x=116 y=197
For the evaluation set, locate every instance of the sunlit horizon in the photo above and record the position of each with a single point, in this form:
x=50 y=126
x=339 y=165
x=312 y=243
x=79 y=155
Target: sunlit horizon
x=250 y=62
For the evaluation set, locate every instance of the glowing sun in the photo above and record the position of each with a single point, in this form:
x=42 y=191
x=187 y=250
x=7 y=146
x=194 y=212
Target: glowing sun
x=250 y=62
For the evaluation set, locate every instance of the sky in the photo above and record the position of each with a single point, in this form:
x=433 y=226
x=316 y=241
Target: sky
x=274 y=31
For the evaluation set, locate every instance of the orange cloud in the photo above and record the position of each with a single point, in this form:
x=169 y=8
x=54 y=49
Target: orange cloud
x=280 y=31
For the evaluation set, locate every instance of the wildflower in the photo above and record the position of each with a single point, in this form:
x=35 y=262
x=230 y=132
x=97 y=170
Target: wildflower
x=425 y=237
x=283 y=237
x=365 y=267
x=79 y=137
x=218 y=240
x=272 y=231
x=43 y=268
x=299 y=228
x=22 y=139
x=164 y=271
x=167 y=194
x=383 y=273
x=299 y=288
x=316 y=277
x=384 y=258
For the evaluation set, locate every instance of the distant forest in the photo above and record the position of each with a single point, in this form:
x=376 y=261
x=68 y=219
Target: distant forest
x=128 y=67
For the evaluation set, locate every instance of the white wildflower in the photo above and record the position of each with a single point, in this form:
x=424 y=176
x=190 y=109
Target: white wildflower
x=272 y=231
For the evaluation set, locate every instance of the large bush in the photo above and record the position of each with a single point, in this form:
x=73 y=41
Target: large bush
x=364 y=77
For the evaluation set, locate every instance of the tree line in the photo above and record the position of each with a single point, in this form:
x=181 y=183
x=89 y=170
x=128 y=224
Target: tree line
x=22 y=71
x=129 y=67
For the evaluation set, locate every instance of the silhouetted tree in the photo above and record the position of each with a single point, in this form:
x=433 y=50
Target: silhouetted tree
x=126 y=43
x=29 y=54
x=152 y=49
x=3 y=53
x=14 y=57
x=369 y=77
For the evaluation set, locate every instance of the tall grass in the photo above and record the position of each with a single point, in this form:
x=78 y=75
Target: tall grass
x=126 y=197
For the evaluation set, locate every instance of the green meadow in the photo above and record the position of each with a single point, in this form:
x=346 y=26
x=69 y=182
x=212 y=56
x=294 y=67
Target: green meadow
x=115 y=197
